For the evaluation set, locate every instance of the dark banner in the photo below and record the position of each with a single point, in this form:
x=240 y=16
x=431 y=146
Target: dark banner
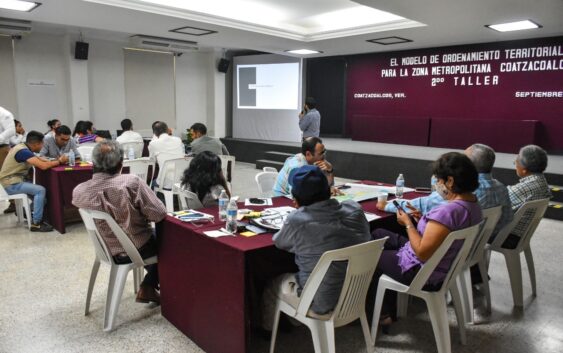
x=504 y=82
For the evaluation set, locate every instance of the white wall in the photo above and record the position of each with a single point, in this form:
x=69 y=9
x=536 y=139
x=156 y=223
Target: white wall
x=41 y=57
x=95 y=89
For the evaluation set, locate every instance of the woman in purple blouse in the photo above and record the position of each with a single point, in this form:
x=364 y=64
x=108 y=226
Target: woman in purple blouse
x=84 y=133
x=403 y=256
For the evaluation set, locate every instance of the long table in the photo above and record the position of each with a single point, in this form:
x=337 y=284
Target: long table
x=211 y=287
x=59 y=182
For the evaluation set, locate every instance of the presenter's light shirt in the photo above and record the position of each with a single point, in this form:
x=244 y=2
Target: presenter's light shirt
x=310 y=123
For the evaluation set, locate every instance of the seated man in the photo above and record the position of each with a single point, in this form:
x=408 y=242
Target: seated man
x=128 y=135
x=312 y=153
x=131 y=203
x=16 y=167
x=530 y=164
x=319 y=224
x=59 y=144
x=201 y=142
x=165 y=146
x=491 y=192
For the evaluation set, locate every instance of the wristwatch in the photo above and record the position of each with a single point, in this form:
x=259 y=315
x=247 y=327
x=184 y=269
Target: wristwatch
x=408 y=226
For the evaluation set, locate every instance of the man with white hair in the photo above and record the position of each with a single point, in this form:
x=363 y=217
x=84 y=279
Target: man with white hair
x=530 y=165
x=132 y=204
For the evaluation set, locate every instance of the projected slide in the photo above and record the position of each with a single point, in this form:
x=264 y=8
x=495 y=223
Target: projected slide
x=268 y=86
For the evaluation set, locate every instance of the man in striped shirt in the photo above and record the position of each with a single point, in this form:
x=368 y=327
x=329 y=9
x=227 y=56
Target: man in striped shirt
x=131 y=203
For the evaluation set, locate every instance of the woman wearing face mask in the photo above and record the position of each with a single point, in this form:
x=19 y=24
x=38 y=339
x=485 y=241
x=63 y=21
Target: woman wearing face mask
x=403 y=257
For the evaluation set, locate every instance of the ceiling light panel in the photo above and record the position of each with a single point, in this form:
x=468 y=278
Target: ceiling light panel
x=303 y=51
x=18 y=5
x=389 y=40
x=514 y=26
x=193 y=31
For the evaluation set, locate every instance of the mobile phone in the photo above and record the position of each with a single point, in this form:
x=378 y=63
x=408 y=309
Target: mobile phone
x=399 y=206
x=423 y=190
x=256 y=201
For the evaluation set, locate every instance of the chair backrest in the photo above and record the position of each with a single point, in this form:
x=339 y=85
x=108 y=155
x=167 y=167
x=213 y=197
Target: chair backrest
x=137 y=147
x=269 y=169
x=85 y=151
x=171 y=172
x=467 y=235
x=266 y=182
x=537 y=209
x=362 y=260
x=102 y=251
x=490 y=217
x=138 y=167
x=188 y=199
x=228 y=166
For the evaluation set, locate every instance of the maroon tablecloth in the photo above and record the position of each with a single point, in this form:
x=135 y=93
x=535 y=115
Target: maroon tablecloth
x=211 y=287
x=59 y=182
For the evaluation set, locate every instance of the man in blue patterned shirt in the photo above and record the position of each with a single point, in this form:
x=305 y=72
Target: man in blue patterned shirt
x=312 y=153
x=491 y=192
x=530 y=164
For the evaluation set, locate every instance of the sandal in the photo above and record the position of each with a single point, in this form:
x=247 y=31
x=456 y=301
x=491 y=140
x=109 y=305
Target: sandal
x=385 y=322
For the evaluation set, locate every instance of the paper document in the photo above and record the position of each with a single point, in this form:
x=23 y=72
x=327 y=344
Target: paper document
x=371 y=216
x=217 y=233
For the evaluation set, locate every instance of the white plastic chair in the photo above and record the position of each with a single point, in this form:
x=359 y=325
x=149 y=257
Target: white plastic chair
x=188 y=199
x=85 y=151
x=266 y=182
x=22 y=204
x=435 y=300
x=137 y=147
x=269 y=169
x=170 y=173
x=139 y=167
x=512 y=256
x=228 y=166
x=118 y=272
x=477 y=257
x=362 y=260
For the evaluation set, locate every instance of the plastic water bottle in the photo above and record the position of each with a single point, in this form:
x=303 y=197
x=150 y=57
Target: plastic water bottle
x=71 y=158
x=399 y=186
x=232 y=211
x=223 y=201
x=131 y=153
x=433 y=182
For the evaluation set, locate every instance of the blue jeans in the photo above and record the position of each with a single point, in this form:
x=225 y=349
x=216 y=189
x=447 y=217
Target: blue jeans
x=38 y=193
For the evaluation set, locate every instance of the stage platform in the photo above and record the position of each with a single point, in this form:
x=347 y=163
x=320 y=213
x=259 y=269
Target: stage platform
x=383 y=162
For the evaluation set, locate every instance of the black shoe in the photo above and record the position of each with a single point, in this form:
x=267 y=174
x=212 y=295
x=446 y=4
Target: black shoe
x=41 y=227
x=10 y=209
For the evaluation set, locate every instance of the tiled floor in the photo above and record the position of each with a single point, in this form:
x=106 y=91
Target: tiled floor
x=43 y=280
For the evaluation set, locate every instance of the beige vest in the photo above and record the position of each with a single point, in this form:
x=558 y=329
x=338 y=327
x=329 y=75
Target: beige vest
x=14 y=172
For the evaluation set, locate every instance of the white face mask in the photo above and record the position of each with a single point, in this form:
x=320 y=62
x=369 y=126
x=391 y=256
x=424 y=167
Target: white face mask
x=442 y=190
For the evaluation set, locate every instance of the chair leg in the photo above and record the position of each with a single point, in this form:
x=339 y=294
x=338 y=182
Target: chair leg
x=275 y=328
x=117 y=278
x=483 y=270
x=27 y=210
x=439 y=319
x=168 y=200
x=460 y=315
x=531 y=268
x=377 y=312
x=323 y=336
x=367 y=336
x=402 y=304
x=466 y=293
x=93 y=275
x=515 y=274
x=137 y=278
x=19 y=209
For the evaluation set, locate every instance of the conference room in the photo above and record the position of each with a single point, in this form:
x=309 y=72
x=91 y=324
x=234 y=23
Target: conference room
x=264 y=176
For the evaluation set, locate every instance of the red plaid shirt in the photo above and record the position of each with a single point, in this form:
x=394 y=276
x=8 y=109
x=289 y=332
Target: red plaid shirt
x=127 y=199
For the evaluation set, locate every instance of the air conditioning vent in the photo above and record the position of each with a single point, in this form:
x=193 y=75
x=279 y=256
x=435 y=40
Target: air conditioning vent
x=13 y=27
x=159 y=43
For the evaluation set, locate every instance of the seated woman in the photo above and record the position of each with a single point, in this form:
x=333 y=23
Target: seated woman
x=84 y=133
x=205 y=178
x=403 y=257
x=53 y=125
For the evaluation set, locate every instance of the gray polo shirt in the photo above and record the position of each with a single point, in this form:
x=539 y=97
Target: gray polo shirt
x=51 y=150
x=206 y=143
x=312 y=230
x=310 y=123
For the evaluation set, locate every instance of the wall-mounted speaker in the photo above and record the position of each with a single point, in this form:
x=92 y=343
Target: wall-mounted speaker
x=223 y=65
x=81 y=51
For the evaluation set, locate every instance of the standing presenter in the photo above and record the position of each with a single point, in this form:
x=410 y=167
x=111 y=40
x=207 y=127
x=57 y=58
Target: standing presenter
x=310 y=119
